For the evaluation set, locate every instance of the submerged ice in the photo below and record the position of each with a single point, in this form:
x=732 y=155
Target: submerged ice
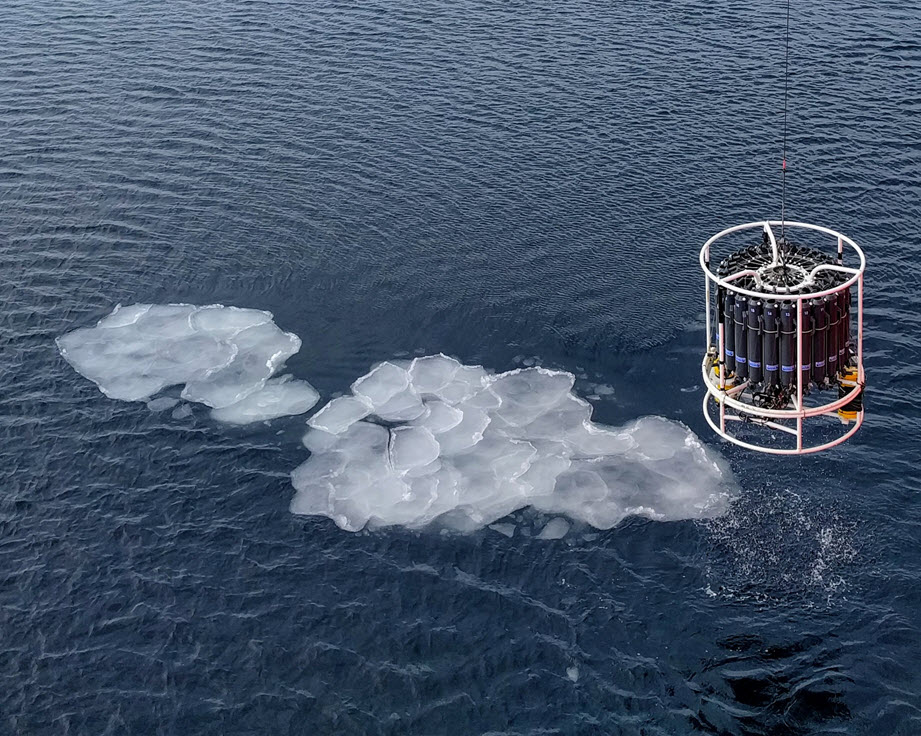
x=433 y=439
x=224 y=357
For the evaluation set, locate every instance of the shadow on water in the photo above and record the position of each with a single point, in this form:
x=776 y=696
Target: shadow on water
x=760 y=688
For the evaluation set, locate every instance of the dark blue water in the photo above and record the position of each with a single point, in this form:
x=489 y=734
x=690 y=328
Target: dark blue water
x=487 y=180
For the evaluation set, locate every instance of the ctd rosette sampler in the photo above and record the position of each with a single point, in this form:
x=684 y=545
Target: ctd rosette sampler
x=784 y=337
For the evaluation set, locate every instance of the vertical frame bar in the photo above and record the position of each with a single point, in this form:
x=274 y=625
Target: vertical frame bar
x=860 y=377
x=770 y=232
x=722 y=366
x=707 y=298
x=799 y=373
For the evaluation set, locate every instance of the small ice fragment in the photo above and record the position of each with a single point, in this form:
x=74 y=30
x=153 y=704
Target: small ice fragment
x=182 y=411
x=227 y=321
x=572 y=673
x=152 y=319
x=339 y=414
x=555 y=529
x=528 y=393
x=592 y=440
x=485 y=398
x=313 y=497
x=402 y=407
x=467 y=381
x=424 y=470
x=690 y=389
x=564 y=422
x=261 y=350
x=466 y=433
x=433 y=372
x=412 y=447
x=320 y=467
x=507 y=530
x=318 y=440
x=600 y=389
x=162 y=404
x=545 y=468
x=440 y=417
x=384 y=382
x=124 y=316
x=280 y=397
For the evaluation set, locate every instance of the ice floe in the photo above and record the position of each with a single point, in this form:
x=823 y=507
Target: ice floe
x=433 y=440
x=555 y=529
x=224 y=357
x=416 y=443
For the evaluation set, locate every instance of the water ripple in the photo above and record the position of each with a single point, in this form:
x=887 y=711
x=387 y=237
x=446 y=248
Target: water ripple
x=393 y=179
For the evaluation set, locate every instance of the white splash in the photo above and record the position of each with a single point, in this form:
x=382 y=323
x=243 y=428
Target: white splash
x=467 y=448
x=224 y=357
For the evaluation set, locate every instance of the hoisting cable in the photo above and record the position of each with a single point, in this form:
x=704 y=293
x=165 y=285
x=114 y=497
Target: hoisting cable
x=786 y=87
x=783 y=168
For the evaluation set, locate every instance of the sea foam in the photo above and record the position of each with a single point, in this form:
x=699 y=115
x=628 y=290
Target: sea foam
x=224 y=357
x=433 y=440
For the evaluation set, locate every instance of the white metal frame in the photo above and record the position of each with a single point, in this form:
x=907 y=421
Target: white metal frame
x=715 y=381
